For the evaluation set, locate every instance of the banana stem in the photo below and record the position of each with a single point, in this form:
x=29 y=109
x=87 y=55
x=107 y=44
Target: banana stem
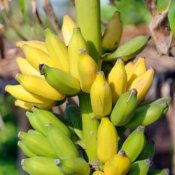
x=88 y=19
x=90 y=125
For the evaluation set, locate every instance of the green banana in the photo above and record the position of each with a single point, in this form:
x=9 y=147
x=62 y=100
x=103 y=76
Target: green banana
x=61 y=81
x=112 y=33
x=124 y=108
x=41 y=166
x=149 y=113
x=75 y=165
x=134 y=143
x=129 y=49
x=148 y=151
x=37 y=143
x=140 y=167
x=25 y=150
x=159 y=172
x=63 y=145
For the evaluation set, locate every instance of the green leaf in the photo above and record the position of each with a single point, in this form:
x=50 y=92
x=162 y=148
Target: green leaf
x=162 y=5
x=171 y=17
x=23 y=6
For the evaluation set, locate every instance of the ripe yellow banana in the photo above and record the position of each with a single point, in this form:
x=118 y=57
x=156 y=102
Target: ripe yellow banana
x=33 y=43
x=117 y=79
x=107 y=140
x=57 y=50
x=26 y=68
x=101 y=96
x=39 y=86
x=76 y=44
x=129 y=69
x=20 y=93
x=138 y=69
x=67 y=28
x=143 y=83
x=112 y=33
x=28 y=106
x=41 y=166
x=87 y=69
x=63 y=82
x=118 y=165
x=36 y=57
x=98 y=173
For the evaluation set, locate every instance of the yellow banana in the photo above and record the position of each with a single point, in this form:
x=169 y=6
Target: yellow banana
x=35 y=57
x=26 y=68
x=67 y=28
x=107 y=140
x=98 y=173
x=28 y=106
x=87 y=69
x=101 y=96
x=129 y=68
x=57 y=51
x=20 y=93
x=33 y=43
x=118 y=165
x=76 y=44
x=117 y=79
x=39 y=86
x=138 y=69
x=143 y=83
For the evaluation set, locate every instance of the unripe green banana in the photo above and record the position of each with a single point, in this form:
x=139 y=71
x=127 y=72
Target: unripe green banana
x=117 y=79
x=124 y=109
x=61 y=81
x=118 y=165
x=148 y=151
x=29 y=82
x=57 y=51
x=149 y=113
x=129 y=49
x=87 y=69
x=107 y=140
x=63 y=145
x=76 y=44
x=37 y=143
x=101 y=96
x=75 y=165
x=140 y=167
x=134 y=143
x=112 y=33
x=41 y=166
x=39 y=118
x=26 y=150
x=159 y=172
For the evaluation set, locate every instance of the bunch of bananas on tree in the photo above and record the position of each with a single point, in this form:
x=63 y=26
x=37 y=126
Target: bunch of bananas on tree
x=55 y=70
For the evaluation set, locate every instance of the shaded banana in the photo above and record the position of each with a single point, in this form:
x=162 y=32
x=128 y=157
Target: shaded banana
x=57 y=51
x=119 y=164
x=41 y=165
x=39 y=86
x=60 y=80
x=117 y=79
x=101 y=96
x=87 y=69
x=37 y=143
x=26 y=68
x=20 y=93
x=75 y=165
x=112 y=33
x=149 y=113
x=140 y=167
x=62 y=144
x=124 y=109
x=159 y=172
x=107 y=140
x=67 y=28
x=76 y=44
x=129 y=49
x=143 y=83
x=134 y=143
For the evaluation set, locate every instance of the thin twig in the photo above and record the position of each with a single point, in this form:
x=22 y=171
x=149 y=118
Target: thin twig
x=2 y=53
